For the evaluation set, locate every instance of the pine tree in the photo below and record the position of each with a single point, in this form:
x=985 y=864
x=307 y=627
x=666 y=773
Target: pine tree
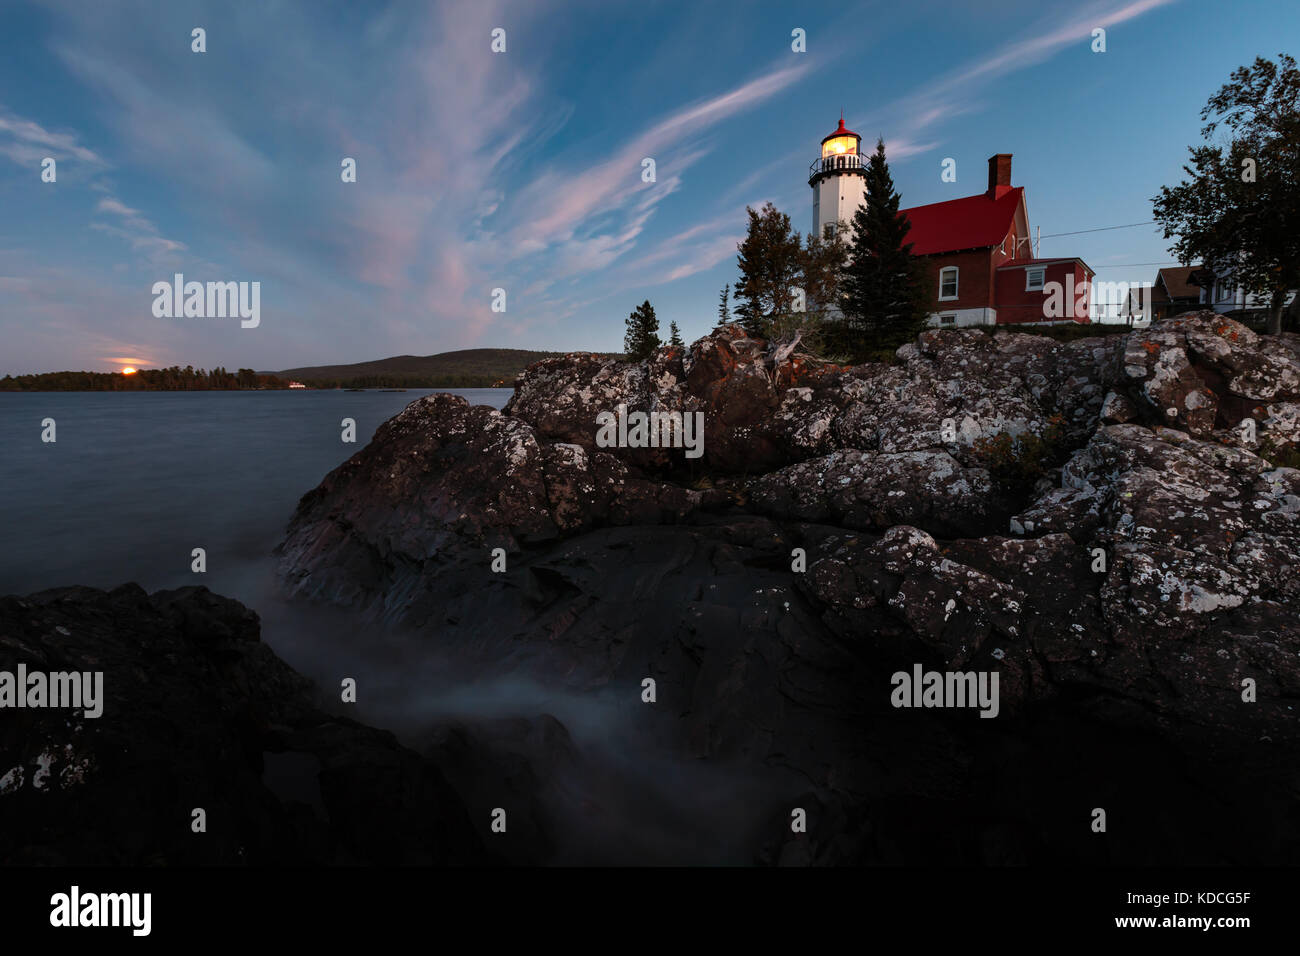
x=642 y=335
x=675 y=337
x=770 y=263
x=724 y=315
x=884 y=293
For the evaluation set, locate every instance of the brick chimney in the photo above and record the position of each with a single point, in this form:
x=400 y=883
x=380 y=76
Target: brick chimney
x=999 y=174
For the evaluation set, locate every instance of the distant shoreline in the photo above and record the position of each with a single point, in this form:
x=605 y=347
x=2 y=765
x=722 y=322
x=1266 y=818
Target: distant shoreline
x=467 y=368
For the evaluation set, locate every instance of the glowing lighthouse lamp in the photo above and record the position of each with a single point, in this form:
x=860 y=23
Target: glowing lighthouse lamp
x=839 y=180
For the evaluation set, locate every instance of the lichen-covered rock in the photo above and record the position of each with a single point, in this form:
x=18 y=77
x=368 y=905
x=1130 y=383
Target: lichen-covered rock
x=447 y=483
x=1157 y=525
x=861 y=489
x=1191 y=539
x=1201 y=371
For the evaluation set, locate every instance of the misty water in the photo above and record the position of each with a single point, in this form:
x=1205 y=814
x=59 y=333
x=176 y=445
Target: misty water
x=137 y=480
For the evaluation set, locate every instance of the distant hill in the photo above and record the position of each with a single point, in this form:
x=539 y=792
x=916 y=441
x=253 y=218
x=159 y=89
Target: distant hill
x=467 y=368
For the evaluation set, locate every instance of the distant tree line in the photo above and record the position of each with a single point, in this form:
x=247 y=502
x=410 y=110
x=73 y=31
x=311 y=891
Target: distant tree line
x=192 y=379
x=465 y=380
x=174 y=378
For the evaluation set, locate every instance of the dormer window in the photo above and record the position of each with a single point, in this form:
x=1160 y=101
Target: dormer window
x=947 y=283
x=1034 y=279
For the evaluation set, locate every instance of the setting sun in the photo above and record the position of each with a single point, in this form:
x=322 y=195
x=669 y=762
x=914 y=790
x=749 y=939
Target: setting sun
x=128 y=371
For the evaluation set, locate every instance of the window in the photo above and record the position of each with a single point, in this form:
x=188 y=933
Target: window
x=1034 y=279
x=948 y=283
x=1225 y=292
x=947 y=320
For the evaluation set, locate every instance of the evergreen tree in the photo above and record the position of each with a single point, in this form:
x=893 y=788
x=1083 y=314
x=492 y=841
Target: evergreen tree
x=675 y=337
x=642 y=335
x=724 y=315
x=883 y=288
x=770 y=263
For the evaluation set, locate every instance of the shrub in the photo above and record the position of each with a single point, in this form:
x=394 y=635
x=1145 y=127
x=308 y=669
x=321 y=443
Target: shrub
x=1015 y=462
x=1284 y=456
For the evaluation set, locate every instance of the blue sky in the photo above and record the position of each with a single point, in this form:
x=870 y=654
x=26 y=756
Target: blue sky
x=522 y=170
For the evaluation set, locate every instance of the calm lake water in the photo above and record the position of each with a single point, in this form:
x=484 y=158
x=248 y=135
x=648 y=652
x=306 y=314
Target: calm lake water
x=137 y=480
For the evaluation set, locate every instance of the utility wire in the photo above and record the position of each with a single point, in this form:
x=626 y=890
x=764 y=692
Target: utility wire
x=1080 y=232
x=1128 y=265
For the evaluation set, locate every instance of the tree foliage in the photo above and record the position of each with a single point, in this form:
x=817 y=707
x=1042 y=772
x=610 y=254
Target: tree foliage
x=642 y=335
x=1238 y=211
x=883 y=289
x=771 y=264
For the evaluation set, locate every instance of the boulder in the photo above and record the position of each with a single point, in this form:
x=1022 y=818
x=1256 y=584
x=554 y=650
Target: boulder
x=1133 y=587
x=198 y=713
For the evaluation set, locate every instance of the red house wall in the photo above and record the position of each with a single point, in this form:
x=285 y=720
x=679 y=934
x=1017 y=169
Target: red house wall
x=976 y=276
x=1015 y=304
x=974 y=280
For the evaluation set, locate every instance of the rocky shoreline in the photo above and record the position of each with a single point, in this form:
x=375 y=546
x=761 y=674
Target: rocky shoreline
x=1156 y=560
x=1091 y=521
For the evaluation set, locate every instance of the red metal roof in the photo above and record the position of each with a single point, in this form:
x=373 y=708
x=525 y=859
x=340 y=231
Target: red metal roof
x=840 y=131
x=973 y=222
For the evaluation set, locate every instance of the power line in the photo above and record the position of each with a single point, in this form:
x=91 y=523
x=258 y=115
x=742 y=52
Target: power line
x=1080 y=232
x=1129 y=265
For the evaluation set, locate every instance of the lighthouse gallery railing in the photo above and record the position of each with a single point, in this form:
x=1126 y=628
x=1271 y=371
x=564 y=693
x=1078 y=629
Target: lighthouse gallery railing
x=829 y=164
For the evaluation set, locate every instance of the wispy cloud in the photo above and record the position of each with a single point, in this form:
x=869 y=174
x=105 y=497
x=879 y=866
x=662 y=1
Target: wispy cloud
x=1035 y=49
x=567 y=198
x=141 y=233
x=955 y=93
x=27 y=142
x=475 y=170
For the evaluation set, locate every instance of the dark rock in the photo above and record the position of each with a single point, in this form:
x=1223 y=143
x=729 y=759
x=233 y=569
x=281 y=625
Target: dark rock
x=875 y=490
x=1122 y=592
x=196 y=708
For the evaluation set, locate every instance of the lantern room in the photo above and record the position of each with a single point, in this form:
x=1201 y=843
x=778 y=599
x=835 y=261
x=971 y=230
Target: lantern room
x=842 y=142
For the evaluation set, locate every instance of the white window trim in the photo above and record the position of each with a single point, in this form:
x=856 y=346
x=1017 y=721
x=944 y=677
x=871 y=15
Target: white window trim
x=1042 y=276
x=950 y=317
x=956 y=278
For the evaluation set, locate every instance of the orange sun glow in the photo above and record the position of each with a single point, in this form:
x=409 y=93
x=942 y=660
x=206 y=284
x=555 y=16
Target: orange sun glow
x=128 y=371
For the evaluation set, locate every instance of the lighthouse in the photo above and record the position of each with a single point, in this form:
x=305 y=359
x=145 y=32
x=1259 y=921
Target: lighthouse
x=838 y=178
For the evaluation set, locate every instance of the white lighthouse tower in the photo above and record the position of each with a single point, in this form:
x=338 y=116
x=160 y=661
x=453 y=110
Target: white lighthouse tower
x=838 y=179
